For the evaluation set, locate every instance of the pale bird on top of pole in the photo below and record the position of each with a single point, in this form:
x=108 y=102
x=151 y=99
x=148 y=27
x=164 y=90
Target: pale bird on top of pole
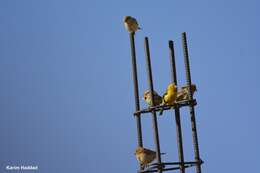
x=131 y=24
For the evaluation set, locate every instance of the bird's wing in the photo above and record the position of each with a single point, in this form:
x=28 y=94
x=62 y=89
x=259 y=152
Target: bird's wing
x=157 y=97
x=183 y=87
x=163 y=97
x=149 y=152
x=136 y=23
x=193 y=87
x=134 y=20
x=180 y=92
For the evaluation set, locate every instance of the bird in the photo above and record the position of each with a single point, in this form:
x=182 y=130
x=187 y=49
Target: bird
x=131 y=24
x=183 y=93
x=169 y=97
x=156 y=98
x=145 y=156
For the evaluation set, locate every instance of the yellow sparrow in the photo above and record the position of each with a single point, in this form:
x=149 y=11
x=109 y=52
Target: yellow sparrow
x=169 y=97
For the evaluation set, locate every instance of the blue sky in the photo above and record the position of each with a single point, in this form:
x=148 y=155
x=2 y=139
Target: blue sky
x=66 y=93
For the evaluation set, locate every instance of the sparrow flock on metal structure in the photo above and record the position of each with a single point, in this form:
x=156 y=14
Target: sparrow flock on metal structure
x=174 y=98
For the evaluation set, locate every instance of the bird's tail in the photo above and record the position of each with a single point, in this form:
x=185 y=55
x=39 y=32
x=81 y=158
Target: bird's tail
x=161 y=112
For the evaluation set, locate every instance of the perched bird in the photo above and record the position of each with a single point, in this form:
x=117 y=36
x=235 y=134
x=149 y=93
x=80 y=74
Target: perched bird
x=148 y=98
x=131 y=24
x=169 y=97
x=183 y=93
x=145 y=156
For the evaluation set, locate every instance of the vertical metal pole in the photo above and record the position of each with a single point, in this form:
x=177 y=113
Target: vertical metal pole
x=155 y=126
x=192 y=111
x=136 y=92
x=177 y=110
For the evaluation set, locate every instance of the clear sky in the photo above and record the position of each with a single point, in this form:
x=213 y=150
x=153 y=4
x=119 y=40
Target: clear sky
x=66 y=92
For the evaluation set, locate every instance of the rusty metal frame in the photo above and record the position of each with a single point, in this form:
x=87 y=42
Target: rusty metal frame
x=191 y=103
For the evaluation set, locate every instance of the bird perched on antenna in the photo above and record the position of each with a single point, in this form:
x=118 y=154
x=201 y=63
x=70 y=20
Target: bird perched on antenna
x=131 y=24
x=145 y=156
x=169 y=97
x=183 y=93
x=156 y=98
